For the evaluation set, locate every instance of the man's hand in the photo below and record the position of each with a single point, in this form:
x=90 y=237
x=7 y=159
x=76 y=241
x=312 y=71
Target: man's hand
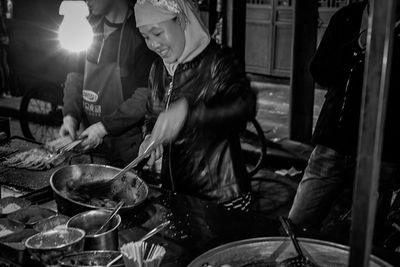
x=155 y=155
x=69 y=127
x=170 y=123
x=93 y=136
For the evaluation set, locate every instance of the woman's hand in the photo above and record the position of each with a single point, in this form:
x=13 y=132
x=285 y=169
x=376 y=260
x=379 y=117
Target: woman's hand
x=155 y=155
x=93 y=136
x=69 y=127
x=170 y=122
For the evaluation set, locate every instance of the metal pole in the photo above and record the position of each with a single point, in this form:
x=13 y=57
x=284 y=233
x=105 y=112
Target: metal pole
x=302 y=84
x=236 y=26
x=374 y=97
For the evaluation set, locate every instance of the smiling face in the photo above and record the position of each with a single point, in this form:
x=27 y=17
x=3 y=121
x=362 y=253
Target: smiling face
x=166 y=38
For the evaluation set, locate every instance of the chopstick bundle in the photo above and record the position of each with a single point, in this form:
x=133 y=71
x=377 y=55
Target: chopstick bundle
x=139 y=254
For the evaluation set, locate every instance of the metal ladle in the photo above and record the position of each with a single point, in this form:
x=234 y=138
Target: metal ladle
x=300 y=260
x=112 y=215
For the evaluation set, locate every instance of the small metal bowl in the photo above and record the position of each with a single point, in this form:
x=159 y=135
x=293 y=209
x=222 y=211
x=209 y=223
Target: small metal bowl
x=31 y=215
x=91 y=258
x=48 y=247
x=11 y=204
x=51 y=223
x=92 y=220
x=8 y=227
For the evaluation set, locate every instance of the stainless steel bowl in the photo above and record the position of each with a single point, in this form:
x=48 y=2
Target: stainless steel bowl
x=91 y=258
x=48 y=247
x=92 y=220
x=86 y=173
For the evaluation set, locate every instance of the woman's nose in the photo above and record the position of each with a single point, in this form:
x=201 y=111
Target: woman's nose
x=154 y=44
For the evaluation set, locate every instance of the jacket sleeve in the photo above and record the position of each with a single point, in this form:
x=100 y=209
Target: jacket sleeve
x=129 y=113
x=73 y=95
x=229 y=103
x=333 y=57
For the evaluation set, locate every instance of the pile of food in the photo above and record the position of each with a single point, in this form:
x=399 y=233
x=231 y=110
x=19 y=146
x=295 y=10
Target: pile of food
x=4 y=231
x=9 y=208
x=33 y=159
x=122 y=189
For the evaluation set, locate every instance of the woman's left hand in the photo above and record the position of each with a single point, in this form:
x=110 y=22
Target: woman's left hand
x=93 y=136
x=170 y=122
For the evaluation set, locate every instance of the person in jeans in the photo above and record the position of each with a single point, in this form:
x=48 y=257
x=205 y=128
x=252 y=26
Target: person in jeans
x=338 y=65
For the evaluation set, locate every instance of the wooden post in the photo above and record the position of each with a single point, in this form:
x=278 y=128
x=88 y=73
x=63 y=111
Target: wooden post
x=305 y=24
x=236 y=26
x=375 y=89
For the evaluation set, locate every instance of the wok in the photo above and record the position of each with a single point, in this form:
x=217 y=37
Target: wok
x=61 y=179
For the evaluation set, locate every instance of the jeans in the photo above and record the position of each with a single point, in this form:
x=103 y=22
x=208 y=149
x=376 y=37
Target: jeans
x=327 y=173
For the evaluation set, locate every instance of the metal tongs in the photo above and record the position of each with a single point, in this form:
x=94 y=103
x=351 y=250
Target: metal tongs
x=300 y=260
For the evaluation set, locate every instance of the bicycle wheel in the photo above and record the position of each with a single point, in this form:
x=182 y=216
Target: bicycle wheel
x=41 y=113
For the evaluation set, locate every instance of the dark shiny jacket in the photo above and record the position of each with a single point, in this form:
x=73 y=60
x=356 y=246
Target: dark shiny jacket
x=205 y=160
x=338 y=122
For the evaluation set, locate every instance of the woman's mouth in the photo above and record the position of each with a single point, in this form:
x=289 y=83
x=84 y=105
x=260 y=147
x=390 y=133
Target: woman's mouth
x=163 y=53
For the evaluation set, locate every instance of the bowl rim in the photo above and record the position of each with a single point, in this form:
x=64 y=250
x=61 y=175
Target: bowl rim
x=119 y=220
x=87 y=252
x=56 y=191
x=82 y=232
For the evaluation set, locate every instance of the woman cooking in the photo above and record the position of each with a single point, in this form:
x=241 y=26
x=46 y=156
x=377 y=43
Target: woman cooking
x=200 y=100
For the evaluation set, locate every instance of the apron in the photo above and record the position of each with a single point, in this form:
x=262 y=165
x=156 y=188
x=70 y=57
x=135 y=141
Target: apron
x=102 y=94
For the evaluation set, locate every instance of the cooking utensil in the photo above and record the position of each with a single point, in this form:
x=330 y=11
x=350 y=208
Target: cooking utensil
x=87 y=173
x=90 y=221
x=300 y=259
x=100 y=188
x=112 y=215
x=144 y=238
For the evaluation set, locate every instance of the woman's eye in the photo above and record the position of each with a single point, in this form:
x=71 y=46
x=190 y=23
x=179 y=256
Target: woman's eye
x=157 y=34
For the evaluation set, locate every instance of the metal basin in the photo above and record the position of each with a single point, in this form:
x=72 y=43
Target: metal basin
x=90 y=221
x=270 y=251
x=61 y=179
x=48 y=247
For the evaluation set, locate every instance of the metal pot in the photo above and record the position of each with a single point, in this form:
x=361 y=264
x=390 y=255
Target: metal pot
x=90 y=221
x=91 y=173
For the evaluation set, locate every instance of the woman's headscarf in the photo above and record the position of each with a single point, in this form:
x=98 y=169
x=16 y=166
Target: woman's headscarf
x=197 y=37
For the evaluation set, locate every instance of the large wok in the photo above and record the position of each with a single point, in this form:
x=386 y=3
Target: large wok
x=85 y=173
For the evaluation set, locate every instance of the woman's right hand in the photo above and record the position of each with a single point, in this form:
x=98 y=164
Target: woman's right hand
x=155 y=154
x=69 y=127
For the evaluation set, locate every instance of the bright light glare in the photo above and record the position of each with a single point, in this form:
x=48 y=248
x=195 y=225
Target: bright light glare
x=75 y=33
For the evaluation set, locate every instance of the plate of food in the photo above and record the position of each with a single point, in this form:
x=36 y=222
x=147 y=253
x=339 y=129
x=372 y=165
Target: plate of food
x=11 y=204
x=31 y=215
x=8 y=227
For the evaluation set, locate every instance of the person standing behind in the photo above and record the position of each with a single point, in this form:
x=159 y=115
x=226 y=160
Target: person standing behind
x=108 y=96
x=338 y=65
